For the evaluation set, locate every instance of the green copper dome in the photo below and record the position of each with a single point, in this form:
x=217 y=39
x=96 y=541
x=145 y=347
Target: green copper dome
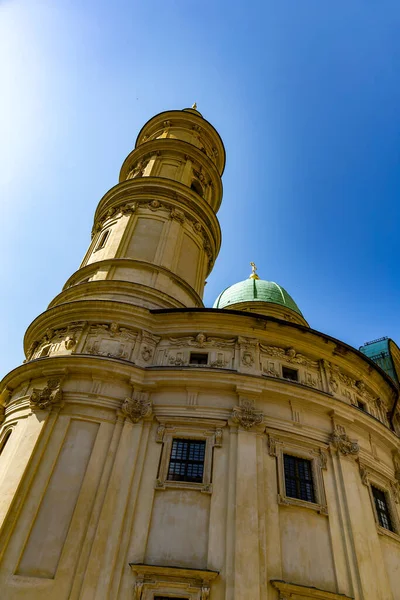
x=256 y=290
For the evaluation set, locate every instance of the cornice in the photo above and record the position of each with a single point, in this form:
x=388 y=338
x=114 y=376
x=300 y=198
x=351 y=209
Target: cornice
x=126 y=262
x=188 y=117
x=169 y=192
x=180 y=147
x=340 y=349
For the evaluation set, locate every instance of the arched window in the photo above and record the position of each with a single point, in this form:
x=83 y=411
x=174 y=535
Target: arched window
x=5 y=440
x=103 y=240
x=196 y=187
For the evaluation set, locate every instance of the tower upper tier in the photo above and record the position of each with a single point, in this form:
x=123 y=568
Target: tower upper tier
x=156 y=235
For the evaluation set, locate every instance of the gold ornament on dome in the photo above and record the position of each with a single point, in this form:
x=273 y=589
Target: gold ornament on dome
x=253 y=274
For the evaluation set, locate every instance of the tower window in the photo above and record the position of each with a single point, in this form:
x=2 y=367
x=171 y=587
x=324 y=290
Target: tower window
x=291 y=374
x=298 y=478
x=382 y=508
x=187 y=460
x=103 y=240
x=5 y=440
x=198 y=358
x=196 y=187
x=45 y=351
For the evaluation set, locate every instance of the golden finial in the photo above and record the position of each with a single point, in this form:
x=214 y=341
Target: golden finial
x=253 y=271
x=194 y=106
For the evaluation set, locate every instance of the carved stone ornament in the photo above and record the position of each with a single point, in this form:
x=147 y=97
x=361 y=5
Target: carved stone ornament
x=246 y=415
x=272 y=449
x=138 y=589
x=137 y=407
x=218 y=438
x=363 y=473
x=205 y=592
x=396 y=463
x=47 y=397
x=395 y=487
x=343 y=444
x=323 y=459
x=160 y=434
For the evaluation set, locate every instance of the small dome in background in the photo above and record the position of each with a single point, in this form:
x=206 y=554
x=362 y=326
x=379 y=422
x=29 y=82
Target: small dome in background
x=260 y=296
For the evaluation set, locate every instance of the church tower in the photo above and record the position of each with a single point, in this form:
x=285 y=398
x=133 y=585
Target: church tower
x=155 y=449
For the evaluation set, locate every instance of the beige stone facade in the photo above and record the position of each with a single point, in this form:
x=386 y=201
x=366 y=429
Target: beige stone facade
x=126 y=360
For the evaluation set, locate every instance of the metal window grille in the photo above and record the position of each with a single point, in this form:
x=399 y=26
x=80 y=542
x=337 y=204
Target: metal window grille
x=187 y=460
x=382 y=508
x=298 y=478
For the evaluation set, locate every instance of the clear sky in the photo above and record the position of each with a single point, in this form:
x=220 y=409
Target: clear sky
x=305 y=94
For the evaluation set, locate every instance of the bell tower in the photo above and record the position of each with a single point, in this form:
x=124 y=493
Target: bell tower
x=156 y=235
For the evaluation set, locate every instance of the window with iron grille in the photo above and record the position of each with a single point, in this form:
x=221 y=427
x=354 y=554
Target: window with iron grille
x=382 y=508
x=187 y=460
x=298 y=478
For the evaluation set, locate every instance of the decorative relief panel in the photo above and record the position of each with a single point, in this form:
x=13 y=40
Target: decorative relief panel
x=110 y=340
x=354 y=390
x=273 y=358
x=176 y=351
x=57 y=341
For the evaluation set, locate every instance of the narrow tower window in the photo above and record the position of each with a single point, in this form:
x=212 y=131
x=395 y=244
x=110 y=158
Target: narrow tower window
x=5 y=440
x=382 y=508
x=298 y=478
x=196 y=187
x=103 y=240
x=187 y=460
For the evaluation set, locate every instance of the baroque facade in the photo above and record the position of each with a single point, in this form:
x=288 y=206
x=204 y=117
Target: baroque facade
x=154 y=449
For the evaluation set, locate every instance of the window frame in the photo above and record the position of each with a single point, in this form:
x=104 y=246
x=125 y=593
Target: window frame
x=102 y=239
x=171 y=582
x=303 y=449
x=186 y=461
x=207 y=430
x=298 y=480
x=386 y=512
x=372 y=478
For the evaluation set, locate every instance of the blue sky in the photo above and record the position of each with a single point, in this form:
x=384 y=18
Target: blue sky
x=306 y=96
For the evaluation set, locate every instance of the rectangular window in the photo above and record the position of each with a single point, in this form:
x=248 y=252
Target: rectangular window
x=298 y=478
x=361 y=405
x=382 y=508
x=291 y=374
x=197 y=358
x=187 y=460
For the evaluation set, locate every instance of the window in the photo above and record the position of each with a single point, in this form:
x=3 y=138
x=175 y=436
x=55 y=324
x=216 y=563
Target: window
x=361 y=405
x=187 y=460
x=103 y=240
x=5 y=440
x=198 y=358
x=298 y=478
x=291 y=374
x=382 y=508
x=196 y=187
